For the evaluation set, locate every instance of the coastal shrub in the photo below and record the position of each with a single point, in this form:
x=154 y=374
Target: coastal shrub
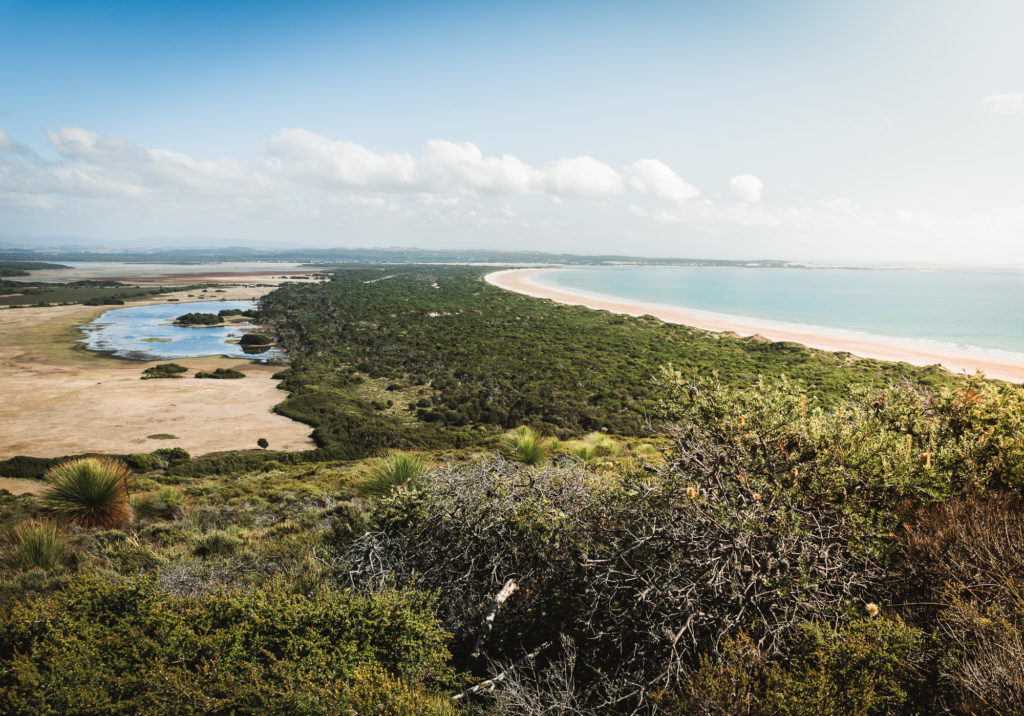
x=963 y=567
x=867 y=666
x=164 y=370
x=125 y=645
x=394 y=471
x=37 y=545
x=217 y=542
x=164 y=503
x=263 y=443
x=221 y=373
x=642 y=576
x=565 y=370
x=91 y=491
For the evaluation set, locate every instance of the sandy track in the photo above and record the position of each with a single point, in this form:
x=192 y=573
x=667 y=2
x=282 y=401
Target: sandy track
x=56 y=398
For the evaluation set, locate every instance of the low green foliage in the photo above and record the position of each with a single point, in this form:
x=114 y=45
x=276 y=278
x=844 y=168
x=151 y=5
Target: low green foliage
x=255 y=339
x=198 y=319
x=104 y=643
x=222 y=373
x=218 y=542
x=164 y=503
x=865 y=667
x=164 y=370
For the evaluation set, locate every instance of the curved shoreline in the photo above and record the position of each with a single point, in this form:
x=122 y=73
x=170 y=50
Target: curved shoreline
x=522 y=281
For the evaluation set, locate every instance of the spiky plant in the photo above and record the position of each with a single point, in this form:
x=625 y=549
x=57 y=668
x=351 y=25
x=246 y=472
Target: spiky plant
x=396 y=470
x=91 y=491
x=37 y=544
x=524 y=445
x=584 y=452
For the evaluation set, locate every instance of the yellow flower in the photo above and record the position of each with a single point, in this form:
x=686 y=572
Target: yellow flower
x=691 y=492
x=872 y=609
x=757 y=495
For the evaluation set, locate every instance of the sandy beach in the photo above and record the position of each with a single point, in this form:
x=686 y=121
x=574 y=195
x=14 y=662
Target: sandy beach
x=522 y=281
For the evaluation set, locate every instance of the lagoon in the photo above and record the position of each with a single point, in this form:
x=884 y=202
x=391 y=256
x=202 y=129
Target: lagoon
x=147 y=333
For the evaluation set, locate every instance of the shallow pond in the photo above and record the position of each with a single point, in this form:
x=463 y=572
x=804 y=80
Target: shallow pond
x=147 y=332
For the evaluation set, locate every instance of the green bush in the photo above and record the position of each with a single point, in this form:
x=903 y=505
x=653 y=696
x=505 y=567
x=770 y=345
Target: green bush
x=869 y=666
x=217 y=542
x=221 y=373
x=255 y=339
x=92 y=492
x=164 y=370
x=117 y=645
x=164 y=503
x=199 y=319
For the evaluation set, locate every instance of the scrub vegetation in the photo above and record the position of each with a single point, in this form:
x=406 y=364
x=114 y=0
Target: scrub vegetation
x=480 y=360
x=164 y=370
x=88 y=293
x=757 y=530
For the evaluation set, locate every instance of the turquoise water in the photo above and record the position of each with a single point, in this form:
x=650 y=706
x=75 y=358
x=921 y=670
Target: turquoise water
x=122 y=332
x=972 y=310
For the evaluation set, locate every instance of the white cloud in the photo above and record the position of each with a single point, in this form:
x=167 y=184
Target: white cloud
x=309 y=156
x=582 y=176
x=1005 y=103
x=746 y=187
x=462 y=163
x=5 y=140
x=658 y=179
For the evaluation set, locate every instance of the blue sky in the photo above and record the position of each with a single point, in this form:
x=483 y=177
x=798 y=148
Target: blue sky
x=806 y=130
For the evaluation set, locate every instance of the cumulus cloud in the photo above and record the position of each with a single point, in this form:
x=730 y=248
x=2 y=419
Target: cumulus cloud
x=746 y=187
x=658 y=179
x=303 y=173
x=582 y=176
x=1006 y=104
x=306 y=155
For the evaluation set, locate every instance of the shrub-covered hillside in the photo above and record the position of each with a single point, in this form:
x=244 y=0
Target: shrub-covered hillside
x=432 y=356
x=765 y=555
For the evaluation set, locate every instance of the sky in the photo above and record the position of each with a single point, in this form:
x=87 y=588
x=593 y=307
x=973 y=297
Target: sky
x=817 y=130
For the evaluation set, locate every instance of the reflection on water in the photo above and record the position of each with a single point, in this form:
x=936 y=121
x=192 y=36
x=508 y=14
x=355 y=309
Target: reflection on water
x=146 y=333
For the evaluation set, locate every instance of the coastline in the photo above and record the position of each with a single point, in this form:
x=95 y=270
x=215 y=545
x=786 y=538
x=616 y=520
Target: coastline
x=956 y=361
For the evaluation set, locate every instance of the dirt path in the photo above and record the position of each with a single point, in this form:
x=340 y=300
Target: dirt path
x=56 y=398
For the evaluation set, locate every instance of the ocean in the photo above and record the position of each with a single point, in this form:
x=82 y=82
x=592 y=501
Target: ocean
x=976 y=310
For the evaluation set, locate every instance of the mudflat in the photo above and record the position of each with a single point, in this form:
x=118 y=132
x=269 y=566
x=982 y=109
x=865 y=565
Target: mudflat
x=57 y=398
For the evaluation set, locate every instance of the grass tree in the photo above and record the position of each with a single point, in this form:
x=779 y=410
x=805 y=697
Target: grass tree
x=396 y=470
x=37 y=544
x=524 y=445
x=90 y=491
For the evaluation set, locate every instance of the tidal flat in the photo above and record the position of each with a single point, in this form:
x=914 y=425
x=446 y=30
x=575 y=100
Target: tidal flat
x=62 y=399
